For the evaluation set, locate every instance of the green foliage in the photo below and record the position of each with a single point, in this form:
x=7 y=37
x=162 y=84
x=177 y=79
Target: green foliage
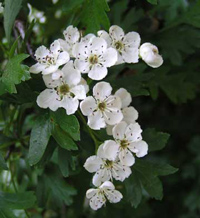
x=154 y=2
x=12 y=8
x=14 y=73
x=3 y=165
x=94 y=15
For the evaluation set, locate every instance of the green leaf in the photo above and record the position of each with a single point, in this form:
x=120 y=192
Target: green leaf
x=63 y=139
x=17 y=201
x=68 y=123
x=94 y=15
x=133 y=190
x=14 y=72
x=154 y=2
x=155 y=140
x=6 y=213
x=12 y=8
x=39 y=139
x=3 y=165
x=66 y=161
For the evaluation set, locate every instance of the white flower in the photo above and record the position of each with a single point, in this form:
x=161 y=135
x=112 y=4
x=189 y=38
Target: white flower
x=1 y=8
x=72 y=36
x=93 y=57
x=54 y=1
x=126 y=44
x=103 y=108
x=99 y=195
x=129 y=139
x=105 y=165
x=49 y=60
x=150 y=54
x=64 y=92
x=34 y=14
x=130 y=114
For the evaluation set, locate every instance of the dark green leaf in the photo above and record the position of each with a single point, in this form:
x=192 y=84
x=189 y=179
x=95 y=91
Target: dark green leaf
x=17 y=201
x=94 y=15
x=40 y=135
x=12 y=8
x=14 y=72
x=6 y=213
x=63 y=139
x=154 y=2
x=3 y=165
x=155 y=140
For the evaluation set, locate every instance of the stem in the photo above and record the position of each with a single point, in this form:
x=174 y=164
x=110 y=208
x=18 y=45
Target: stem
x=89 y=130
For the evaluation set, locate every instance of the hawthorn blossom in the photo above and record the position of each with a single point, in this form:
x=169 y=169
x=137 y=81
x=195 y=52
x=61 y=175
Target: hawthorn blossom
x=106 y=165
x=34 y=14
x=72 y=37
x=129 y=140
x=98 y=196
x=103 y=108
x=94 y=57
x=150 y=55
x=127 y=45
x=49 y=60
x=64 y=92
x=130 y=114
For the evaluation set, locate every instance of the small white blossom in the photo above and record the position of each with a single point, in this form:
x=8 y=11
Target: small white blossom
x=64 y=92
x=150 y=54
x=93 y=57
x=129 y=139
x=1 y=8
x=127 y=45
x=99 y=195
x=49 y=60
x=34 y=14
x=54 y=1
x=130 y=114
x=103 y=108
x=72 y=37
x=106 y=165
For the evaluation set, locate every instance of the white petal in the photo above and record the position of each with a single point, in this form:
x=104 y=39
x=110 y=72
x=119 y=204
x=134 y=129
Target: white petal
x=56 y=75
x=109 y=57
x=116 y=32
x=109 y=129
x=93 y=164
x=126 y=157
x=98 y=72
x=140 y=148
x=48 y=99
x=103 y=34
x=130 y=114
x=79 y=92
x=96 y=121
x=107 y=185
x=71 y=34
x=88 y=105
x=108 y=150
x=84 y=83
x=91 y=192
x=88 y=38
x=133 y=132
x=55 y=48
x=113 y=196
x=113 y=117
x=98 y=45
x=82 y=65
x=125 y=97
x=63 y=58
x=102 y=90
x=41 y=52
x=37 y=68
x=123 y=172
x=131 y=55
x=113 y=103
x=71 y=76
x=97 y=201
x=119 y=130
x=132 y=39
x=51 y=83
x=65 y=46
x=80 y=50
x=70 y=105
x=50 y=69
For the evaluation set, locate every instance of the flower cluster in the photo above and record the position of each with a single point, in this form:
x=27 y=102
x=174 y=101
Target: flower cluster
x=63 y=67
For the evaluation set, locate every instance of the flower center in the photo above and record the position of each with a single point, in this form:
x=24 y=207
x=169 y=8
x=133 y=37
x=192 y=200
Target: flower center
x=108 y=163
x=93 y=59
x=63 y=89
x=102 y=106
x=155 y=51
x=119 y=45
x=124 y=143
